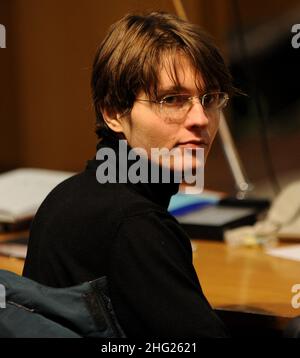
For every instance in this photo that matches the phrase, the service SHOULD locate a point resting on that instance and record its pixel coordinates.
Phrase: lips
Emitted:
(192, 144)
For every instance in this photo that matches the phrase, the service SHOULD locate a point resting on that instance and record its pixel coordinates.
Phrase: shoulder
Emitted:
(154, 233)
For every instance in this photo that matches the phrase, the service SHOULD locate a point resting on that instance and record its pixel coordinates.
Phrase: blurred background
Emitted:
(46, 114)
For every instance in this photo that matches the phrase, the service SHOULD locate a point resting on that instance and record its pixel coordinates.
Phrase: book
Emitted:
(23, 190)
(211, 221)
(208, 215)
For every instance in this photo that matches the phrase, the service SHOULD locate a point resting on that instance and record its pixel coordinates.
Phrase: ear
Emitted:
(113, 121)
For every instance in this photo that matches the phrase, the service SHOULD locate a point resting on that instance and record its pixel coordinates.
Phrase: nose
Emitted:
(196, 116)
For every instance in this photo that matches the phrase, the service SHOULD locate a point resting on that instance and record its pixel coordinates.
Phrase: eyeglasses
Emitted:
(176, 106)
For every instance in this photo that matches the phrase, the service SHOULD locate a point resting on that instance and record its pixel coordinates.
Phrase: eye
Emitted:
(175, 100)
(210, 99)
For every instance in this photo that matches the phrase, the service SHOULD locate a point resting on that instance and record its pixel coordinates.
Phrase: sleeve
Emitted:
(153, 285)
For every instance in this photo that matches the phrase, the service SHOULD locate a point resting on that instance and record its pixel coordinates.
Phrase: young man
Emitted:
(157, 82)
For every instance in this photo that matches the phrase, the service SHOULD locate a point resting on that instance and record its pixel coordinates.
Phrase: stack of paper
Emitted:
(23, 190)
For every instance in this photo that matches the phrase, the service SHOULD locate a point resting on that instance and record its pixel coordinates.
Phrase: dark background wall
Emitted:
(46, 116)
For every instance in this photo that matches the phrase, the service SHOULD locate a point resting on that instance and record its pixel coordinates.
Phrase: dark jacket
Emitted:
(36, 311)
(85, 230)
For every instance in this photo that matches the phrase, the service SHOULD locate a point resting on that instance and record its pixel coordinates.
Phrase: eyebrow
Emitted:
(172, 89)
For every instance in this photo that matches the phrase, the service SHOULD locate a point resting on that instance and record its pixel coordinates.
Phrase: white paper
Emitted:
(13, 250)
(23, 190)
(286, 252)
(215, 215)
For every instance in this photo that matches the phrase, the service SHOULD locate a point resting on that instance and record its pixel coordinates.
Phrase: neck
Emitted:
(131, 168)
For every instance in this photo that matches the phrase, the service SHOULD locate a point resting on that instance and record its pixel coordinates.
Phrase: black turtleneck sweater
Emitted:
(84, 230)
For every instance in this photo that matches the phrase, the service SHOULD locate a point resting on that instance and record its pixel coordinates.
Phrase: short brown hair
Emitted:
(129, 58)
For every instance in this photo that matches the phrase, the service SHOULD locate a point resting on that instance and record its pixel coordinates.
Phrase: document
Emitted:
(23, 190)
(291, 252)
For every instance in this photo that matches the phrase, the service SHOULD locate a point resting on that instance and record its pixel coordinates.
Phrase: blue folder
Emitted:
(181, 203)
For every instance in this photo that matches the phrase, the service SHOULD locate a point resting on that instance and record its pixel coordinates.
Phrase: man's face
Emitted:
(146, 128)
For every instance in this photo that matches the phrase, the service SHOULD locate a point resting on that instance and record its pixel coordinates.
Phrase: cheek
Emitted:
(158, 135)
(212, 130)
(147, 130)
(214, 126)
(167, 136)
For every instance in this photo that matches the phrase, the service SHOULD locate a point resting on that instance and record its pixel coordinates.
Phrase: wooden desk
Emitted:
(247, 281)
(11, 263)
(243, 284)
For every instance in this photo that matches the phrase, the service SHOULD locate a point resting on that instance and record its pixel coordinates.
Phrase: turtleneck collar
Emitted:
(159, 192)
